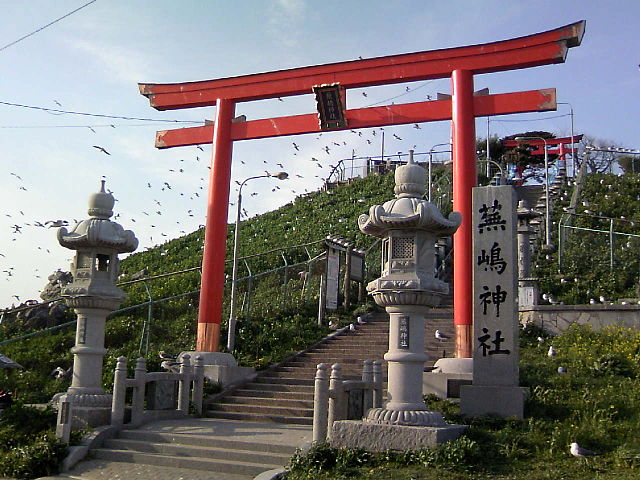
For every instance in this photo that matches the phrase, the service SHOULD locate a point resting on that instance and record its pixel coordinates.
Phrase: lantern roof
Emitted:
(98, 231)
(408, 210)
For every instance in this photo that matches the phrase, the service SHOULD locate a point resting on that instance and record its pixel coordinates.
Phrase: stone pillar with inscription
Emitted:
(93, 295)
(409, 227)
(527, 285)
(495, 388)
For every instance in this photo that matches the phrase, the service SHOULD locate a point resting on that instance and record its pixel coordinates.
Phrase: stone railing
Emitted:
(338, 399)
(556, 318)
(190, 382)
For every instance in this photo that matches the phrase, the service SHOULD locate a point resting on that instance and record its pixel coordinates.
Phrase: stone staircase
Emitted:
(284, 393)
(194, 449)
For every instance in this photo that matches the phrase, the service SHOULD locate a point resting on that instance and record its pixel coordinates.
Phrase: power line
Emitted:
(98, 115)
(531, 119)
(109, 125)
(47, 25)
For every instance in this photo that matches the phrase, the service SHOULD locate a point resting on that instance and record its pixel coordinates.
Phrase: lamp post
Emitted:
(431, 152)
(573, 152)
(231, 334)
(547, 213)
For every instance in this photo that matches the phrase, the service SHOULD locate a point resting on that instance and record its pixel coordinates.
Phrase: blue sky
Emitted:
(92, 61)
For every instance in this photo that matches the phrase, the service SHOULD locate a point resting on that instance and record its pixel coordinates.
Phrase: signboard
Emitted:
(403, 332)
(330, 106)
(333, 276)
(495, 289)
(357, 267)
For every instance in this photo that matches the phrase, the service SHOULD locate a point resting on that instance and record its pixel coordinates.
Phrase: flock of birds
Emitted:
(175, 205)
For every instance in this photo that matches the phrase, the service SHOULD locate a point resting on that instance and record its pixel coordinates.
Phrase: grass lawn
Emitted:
(596, 403)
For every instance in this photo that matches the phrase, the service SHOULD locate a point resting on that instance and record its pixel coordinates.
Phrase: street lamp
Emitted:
(547, 216)
(231, 334)
(431, 152)
(573, 151)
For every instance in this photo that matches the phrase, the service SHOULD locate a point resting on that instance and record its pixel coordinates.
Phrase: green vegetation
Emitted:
(590, 267)
(597, 404)
(28, 447)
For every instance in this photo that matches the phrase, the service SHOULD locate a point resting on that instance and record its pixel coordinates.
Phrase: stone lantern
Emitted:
(409, 227)
(93, 295)
(527, 285)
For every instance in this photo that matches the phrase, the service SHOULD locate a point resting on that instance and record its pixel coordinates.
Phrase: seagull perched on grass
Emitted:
(580, 452)
(552, 352)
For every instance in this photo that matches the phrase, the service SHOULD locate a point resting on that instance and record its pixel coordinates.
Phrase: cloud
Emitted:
(284, 18)
(120, 64)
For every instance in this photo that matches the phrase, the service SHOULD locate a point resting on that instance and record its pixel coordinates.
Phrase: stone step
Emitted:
(204, 441)
(346, 374)
(253, 417)
(248, 454)
(261, 409)
(278, 387)
(274, 394)
(283, 381)
(194, 463)
(269, 402)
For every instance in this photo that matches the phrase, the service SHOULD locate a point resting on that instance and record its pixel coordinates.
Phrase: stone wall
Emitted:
(556, 318)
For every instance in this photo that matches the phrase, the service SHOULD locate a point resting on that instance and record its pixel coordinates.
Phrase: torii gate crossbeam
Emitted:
(461, 64)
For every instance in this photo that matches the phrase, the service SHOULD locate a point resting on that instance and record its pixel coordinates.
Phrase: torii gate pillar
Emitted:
(465, 178)
(210, 310)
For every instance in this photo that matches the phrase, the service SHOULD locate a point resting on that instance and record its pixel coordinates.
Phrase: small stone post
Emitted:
(185, 382)
(63, 425)
(377, 379)
(137, 402)
(198, 384)
(337, 403)
(367, 376)
(93, 295)
(119, 392)
(320, 403)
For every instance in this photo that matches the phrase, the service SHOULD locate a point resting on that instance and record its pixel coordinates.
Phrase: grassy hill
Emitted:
(281, 320)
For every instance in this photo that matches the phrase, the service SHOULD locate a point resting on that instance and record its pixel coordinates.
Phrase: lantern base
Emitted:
(416, 418)
(381, 437)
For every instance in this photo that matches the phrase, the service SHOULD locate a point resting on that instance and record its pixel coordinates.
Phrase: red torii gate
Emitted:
(561, 151)
(461, 64)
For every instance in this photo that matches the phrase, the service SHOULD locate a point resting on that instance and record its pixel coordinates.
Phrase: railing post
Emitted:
(377, 380)
(65, 416)
(137, 403)
(367, 376)
(320, 403)
(336, 402)
(185, 382)
(198, 384)
(119, 392)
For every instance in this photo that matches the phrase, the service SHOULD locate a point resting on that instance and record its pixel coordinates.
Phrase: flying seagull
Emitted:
(102, 149)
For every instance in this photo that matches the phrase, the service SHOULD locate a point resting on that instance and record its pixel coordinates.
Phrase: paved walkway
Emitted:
(264, 433)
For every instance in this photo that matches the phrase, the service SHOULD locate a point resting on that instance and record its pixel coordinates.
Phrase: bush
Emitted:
(28, 446)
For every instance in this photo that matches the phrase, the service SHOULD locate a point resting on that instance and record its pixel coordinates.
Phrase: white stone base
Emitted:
(83, 418)
(477, 400)
(379, 437)
(445, 385)
(448, 375)
(220, 367)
